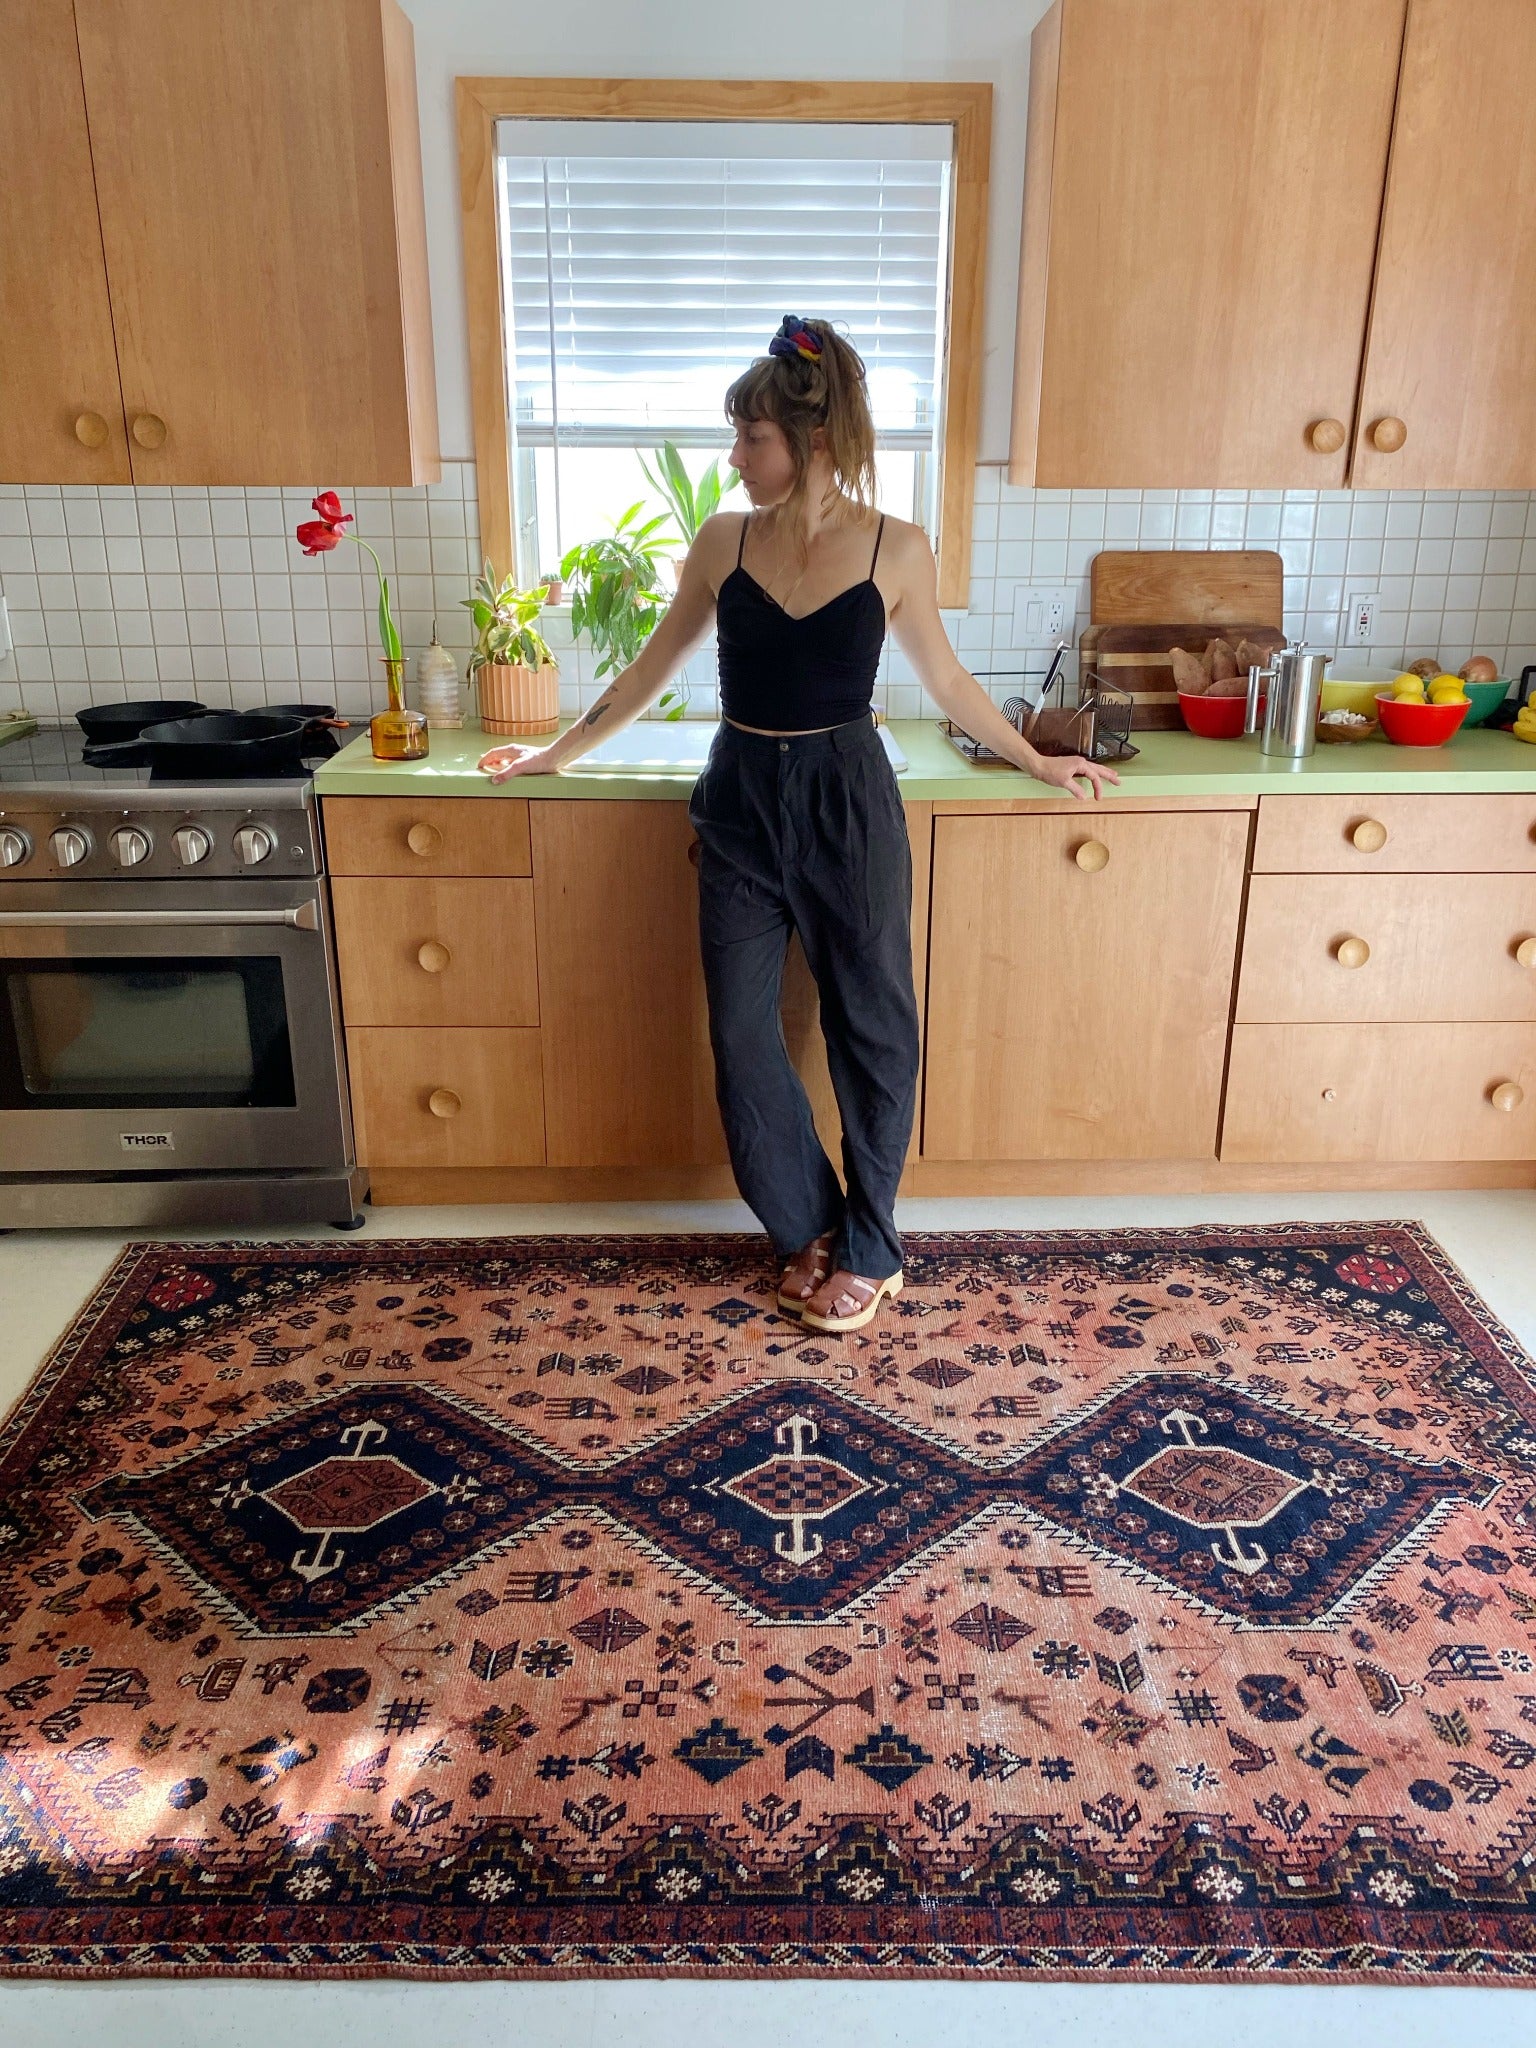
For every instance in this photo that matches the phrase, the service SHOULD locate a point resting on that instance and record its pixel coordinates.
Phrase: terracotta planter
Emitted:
(516, 699)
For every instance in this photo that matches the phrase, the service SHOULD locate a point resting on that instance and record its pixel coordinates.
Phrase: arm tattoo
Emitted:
(603, 704)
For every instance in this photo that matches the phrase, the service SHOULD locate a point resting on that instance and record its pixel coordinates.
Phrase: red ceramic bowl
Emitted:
(1418, 725)
(1215, 718)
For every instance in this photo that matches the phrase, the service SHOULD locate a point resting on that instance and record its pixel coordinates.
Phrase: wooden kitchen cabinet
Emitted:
(433, 1098)
(1448, 394)
(421, 951)
(61, 414)
(1337, 1094)
(1388, 948)
(1202, 194)
(1080, 981)
(256, 176)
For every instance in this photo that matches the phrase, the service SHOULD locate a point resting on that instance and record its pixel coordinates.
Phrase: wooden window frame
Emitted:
(965, 108)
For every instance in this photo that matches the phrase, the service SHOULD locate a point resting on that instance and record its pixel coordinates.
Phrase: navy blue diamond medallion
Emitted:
(792, 1501)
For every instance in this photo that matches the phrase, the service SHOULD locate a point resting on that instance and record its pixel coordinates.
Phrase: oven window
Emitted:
(128, 1034)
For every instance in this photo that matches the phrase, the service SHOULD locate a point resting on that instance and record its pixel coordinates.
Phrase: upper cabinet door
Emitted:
(259, 181)
(1201, 205)
(61, 416)
(1448, 400)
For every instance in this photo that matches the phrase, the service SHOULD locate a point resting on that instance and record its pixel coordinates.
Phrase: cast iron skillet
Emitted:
(218, 743)
(103, 723)
(322, 726)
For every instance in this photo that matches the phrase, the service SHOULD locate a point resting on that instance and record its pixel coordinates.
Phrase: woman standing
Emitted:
(798, 812)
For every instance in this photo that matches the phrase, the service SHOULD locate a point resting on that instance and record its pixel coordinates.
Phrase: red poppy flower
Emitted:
(316, 537)
(328, 505)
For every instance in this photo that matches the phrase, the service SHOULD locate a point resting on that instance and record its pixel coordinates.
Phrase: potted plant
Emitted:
(616, 590)
(517, 676)
(690, 504)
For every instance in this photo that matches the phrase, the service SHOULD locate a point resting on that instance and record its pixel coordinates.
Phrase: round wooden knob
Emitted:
(1369, 836)
(424, 839)
(1326, 436)
(1330, 1094)
(1351, 952)
(1507, 1096)
(1092, 856)
(433, 956)
(1388, 435)
(148, 430)
(444, 1103)
(694, 850)
(90, 430)
(1525, 952)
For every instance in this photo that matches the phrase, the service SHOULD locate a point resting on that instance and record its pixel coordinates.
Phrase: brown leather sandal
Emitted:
(871, 1292)
(808, 1264)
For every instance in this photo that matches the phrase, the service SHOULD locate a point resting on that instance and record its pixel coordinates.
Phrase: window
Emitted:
(630, 247)
(644, 264)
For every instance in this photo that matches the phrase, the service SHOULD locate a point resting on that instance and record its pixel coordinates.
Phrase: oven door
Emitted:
(148, 1029)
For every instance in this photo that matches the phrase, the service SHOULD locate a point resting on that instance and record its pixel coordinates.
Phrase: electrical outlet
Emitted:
(1360, 622)
(1041, 617)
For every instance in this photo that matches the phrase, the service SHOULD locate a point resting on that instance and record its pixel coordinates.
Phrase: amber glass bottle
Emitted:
(398, 733)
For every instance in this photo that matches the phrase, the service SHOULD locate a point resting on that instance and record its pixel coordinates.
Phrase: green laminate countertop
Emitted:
(1170, 764)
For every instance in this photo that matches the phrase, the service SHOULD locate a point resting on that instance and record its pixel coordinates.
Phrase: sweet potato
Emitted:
(1189, 672)
(1223, 662)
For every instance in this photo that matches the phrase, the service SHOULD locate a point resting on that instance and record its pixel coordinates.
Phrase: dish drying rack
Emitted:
(1095, 709)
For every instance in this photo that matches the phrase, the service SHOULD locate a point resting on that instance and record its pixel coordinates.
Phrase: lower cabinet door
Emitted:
(447, 1098)
(1341, 1092)
(1079, 984)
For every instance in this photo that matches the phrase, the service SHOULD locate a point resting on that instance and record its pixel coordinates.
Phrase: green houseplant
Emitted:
(616, 589)
(516, 674)
(690, 504)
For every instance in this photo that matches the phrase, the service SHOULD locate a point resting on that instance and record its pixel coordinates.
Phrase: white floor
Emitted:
(45, 1278)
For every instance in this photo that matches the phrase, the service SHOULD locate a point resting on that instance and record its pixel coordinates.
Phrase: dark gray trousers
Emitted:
(807, 833)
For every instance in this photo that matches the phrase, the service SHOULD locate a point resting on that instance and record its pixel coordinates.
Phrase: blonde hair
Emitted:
(799, 395)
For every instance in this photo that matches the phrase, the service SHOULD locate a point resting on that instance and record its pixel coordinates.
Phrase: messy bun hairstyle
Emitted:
(812, 378)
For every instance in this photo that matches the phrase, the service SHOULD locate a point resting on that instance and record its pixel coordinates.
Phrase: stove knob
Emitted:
(253, 845)
(192, 844)
(130, 845)
(15, 846)
(71, 844)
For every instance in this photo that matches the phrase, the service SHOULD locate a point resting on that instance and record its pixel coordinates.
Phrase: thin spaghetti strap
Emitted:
(743, 541)
(879, 530)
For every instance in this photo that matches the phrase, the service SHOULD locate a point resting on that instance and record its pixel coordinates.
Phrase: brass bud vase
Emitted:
(398, 733)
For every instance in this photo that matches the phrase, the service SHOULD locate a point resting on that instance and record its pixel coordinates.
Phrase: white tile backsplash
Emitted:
(120, 592)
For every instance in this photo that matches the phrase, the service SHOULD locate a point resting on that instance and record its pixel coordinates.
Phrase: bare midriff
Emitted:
(770, 733)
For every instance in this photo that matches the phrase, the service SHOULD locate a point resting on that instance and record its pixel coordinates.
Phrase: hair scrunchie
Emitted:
(796, 340)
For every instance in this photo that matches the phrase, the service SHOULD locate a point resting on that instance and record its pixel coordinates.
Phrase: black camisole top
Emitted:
(793, 675)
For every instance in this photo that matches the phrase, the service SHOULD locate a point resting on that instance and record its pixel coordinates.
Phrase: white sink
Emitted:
(657, 746)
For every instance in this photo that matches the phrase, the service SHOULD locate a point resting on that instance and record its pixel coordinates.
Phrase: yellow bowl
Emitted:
(1350, 697)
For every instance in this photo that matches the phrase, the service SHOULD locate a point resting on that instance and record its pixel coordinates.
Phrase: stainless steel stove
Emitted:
(170, 1051)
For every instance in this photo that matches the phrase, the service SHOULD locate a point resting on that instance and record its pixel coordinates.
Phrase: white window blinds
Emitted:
(646, 263)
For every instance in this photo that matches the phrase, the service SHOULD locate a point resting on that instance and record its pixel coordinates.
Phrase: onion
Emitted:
(1426, 666)
(1479, 670)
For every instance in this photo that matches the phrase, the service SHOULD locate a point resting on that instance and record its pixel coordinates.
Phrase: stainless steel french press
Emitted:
(1295, 680)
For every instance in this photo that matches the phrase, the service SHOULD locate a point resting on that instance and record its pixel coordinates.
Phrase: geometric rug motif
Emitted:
(1119, 1603)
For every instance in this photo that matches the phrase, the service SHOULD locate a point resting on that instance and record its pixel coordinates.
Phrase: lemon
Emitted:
(1405, 693)
(1445, 681)
(1438, 695)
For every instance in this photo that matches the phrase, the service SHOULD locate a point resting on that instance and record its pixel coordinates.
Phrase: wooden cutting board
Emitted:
(1217, 586)
(1136, 658)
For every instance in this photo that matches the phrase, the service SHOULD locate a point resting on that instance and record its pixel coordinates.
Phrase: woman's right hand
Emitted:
(517, 758)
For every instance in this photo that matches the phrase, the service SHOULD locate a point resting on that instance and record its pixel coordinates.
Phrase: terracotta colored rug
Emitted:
(1119, 1604)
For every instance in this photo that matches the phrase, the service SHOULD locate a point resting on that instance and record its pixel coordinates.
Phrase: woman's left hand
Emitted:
(1065, 771)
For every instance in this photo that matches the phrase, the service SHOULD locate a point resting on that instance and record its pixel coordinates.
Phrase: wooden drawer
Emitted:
(1307, 834)
(436, 952)
(1439, 947)
(433, 835)
(1298, 1092)
(447, 1098)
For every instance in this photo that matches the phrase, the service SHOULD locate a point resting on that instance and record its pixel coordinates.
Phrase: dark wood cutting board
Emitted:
(1136, 658)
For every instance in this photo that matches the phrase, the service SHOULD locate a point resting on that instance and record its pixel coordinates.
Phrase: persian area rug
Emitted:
(1118, 1604)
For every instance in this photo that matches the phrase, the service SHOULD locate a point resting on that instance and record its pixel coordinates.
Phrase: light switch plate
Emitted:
(1043, 614)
